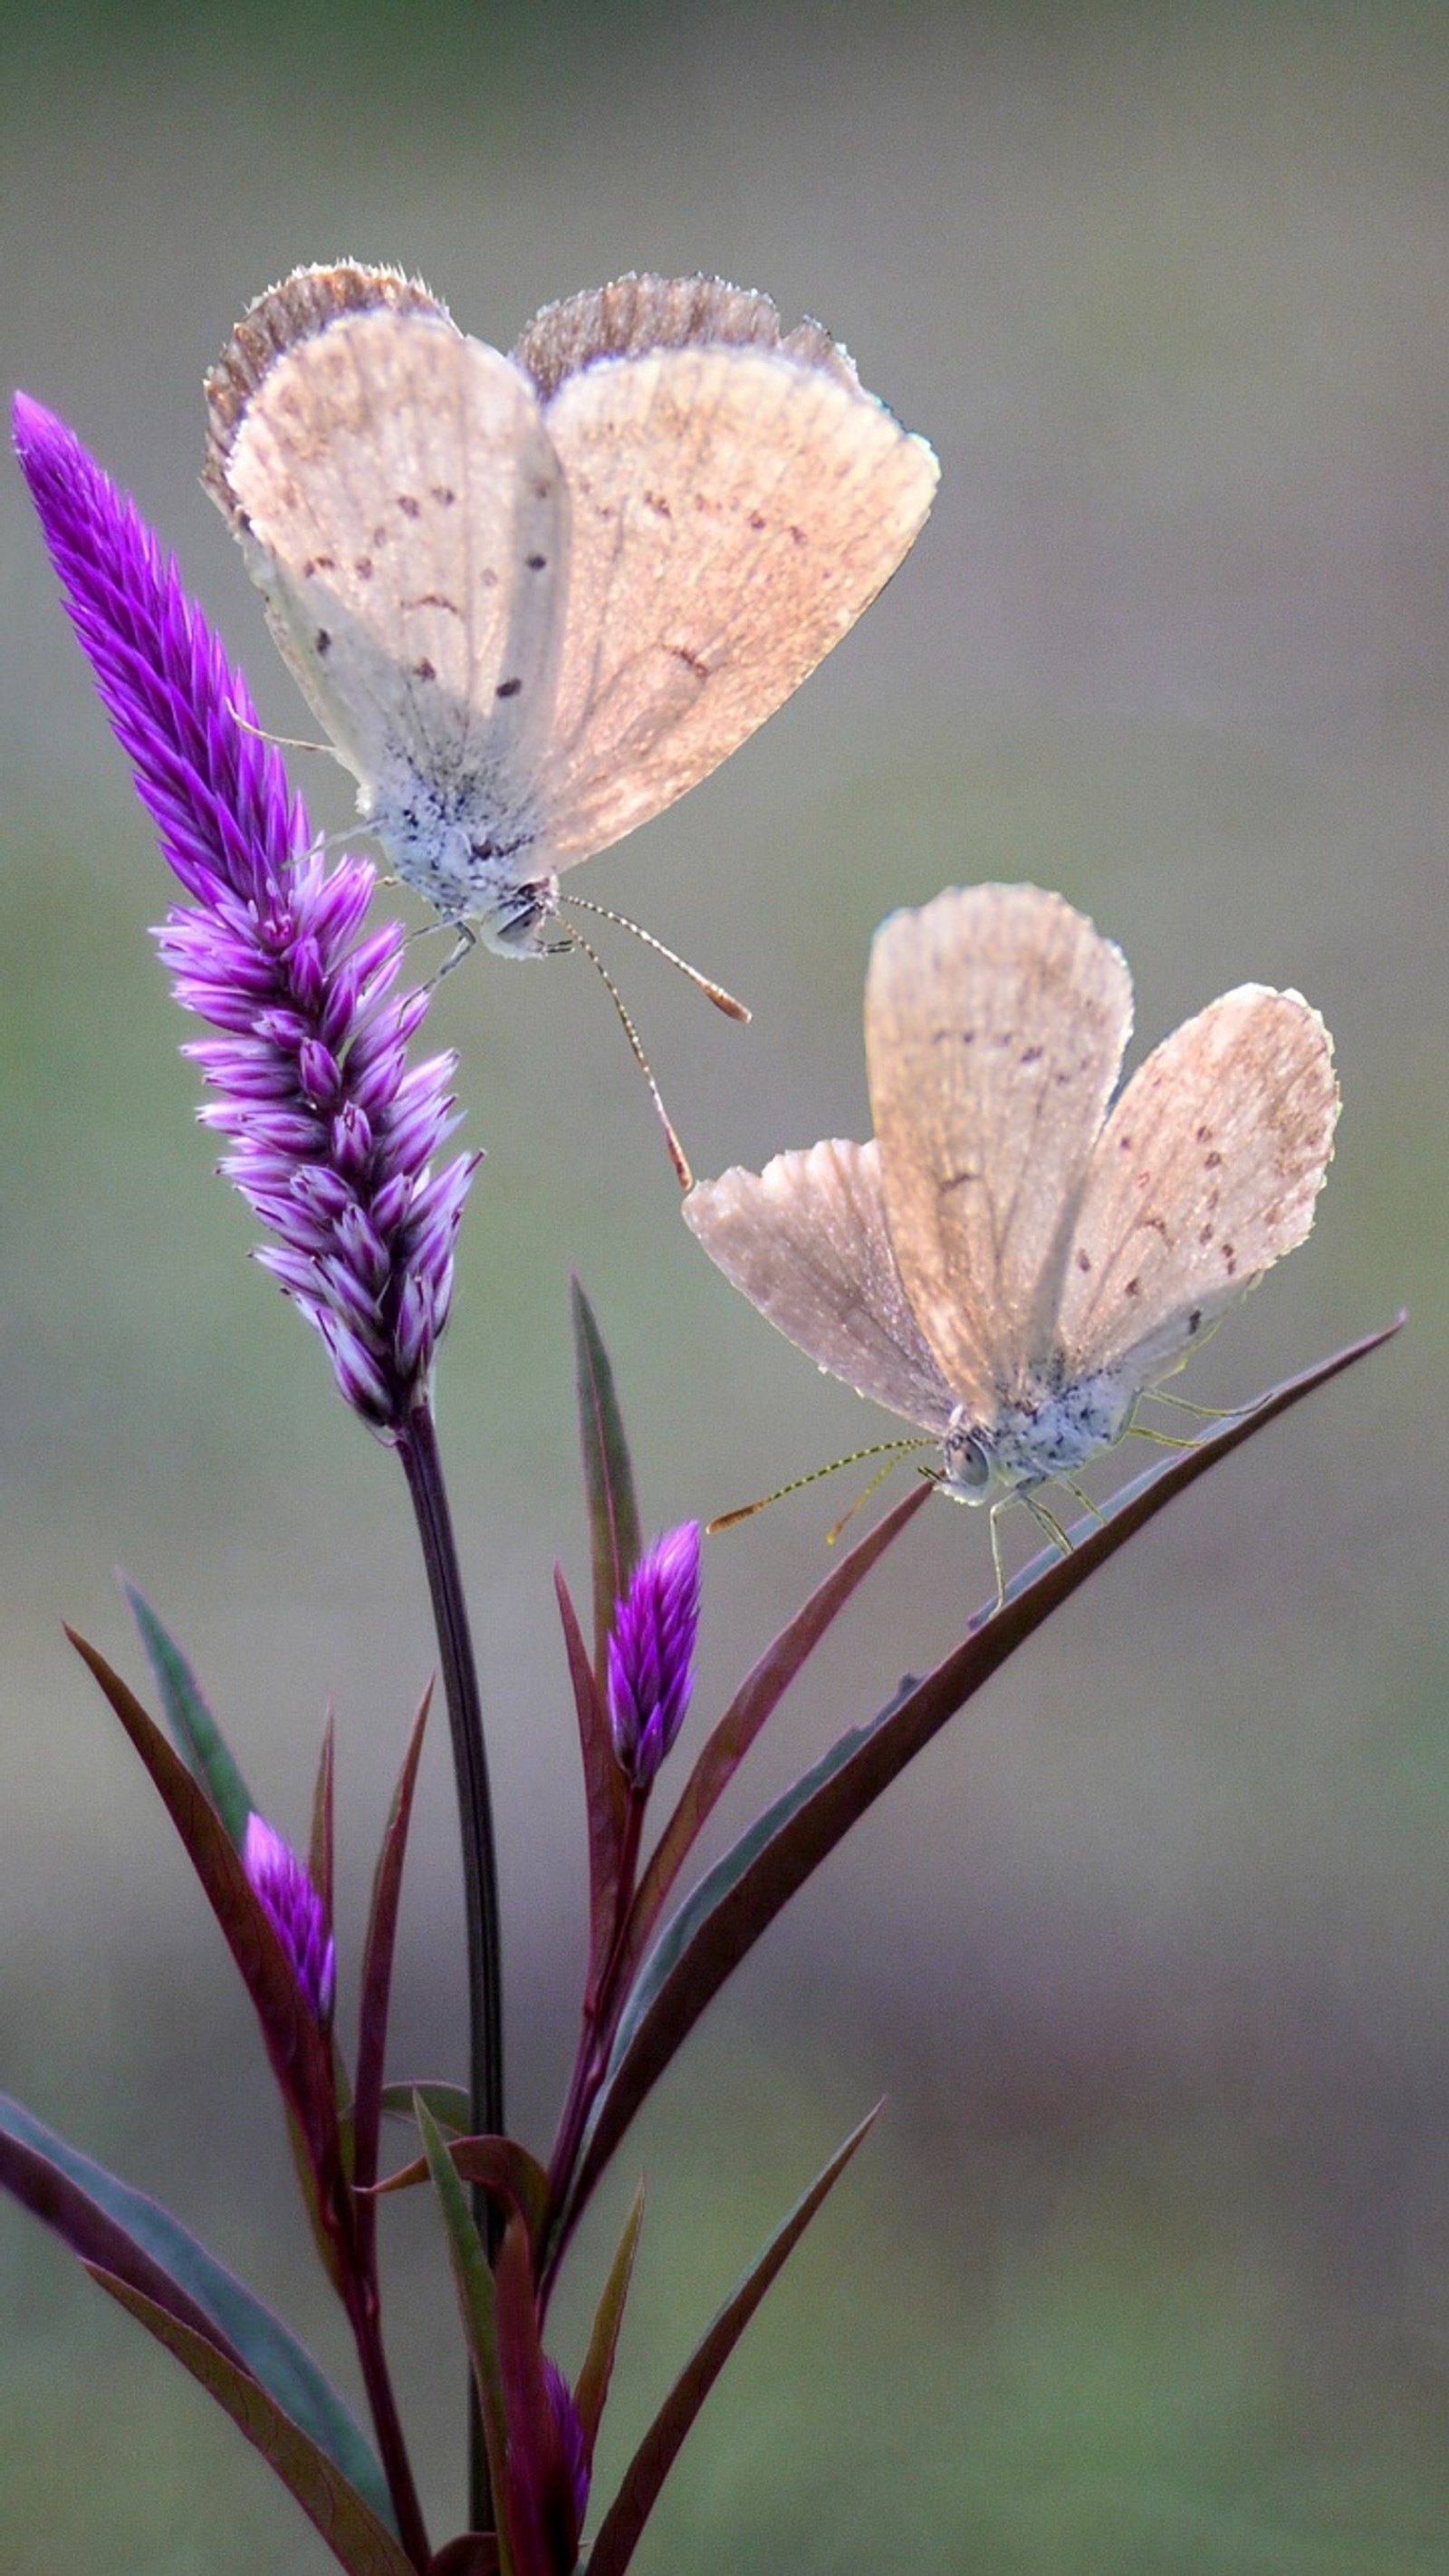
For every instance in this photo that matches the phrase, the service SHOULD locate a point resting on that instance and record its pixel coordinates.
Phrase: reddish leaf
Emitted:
(598, 2369)
(356, 2537)
(620, 2529)
(604, 1799)
(723, 1917)
(377, 1958)
(608, 1479)
(753, 1704)
(501, 2165)
(300, 2054)
(542, 2517)
(319, 1859)
(473, 2553)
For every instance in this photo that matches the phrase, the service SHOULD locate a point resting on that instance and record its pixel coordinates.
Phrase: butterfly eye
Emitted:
(968, 1463)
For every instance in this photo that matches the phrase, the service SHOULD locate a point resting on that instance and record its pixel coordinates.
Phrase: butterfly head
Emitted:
(973, 1472)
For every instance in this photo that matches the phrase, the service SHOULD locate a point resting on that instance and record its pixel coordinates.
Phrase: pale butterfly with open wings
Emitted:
(1010, 1264)
(535, 598)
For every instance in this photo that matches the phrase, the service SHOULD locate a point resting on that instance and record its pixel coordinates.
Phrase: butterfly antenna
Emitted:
(278, 741)
(891, 1450)
(677, 1155)
(705, 984)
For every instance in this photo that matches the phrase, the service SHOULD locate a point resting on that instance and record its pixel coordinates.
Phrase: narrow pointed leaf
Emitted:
(197, 1736)
(542, 2519)
(473, 2282)
(357, 2538)
(118, 2230)
(377, 1958)
(604, 1800)
(593, 2381)
(620, 2529)
(723, 1917)
(608, 1479)
(501, 2165)
(319, 1857)
(755, 1701)
(448, 2103)
(301, 2056)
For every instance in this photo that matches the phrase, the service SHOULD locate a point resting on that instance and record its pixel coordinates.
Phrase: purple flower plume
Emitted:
(295, 1909)
(571, 2438)
(650, 1654)
(332, 1132)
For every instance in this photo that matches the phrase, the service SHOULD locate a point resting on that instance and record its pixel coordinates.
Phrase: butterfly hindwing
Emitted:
(1205, 1173)
(806, 1241)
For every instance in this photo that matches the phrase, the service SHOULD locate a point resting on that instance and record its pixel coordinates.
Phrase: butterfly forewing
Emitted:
(401, 508)
(733, 510)
(995, 1023)
(806, 1241)
(1206, 1172)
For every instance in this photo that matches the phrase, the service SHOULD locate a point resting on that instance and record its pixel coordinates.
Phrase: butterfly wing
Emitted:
(806, 1240)
(1205, 1174)
(401, 510)
(736, 500)
(995, 1020)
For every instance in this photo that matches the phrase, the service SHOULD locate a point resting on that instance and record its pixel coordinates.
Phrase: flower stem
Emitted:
(422, 1465)
(362, 2310)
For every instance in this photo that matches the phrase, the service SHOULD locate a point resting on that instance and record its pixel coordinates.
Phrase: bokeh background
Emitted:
(1147, 2266)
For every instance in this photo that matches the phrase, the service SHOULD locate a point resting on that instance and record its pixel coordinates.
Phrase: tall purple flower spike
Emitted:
(651, 1654)
(280, 1880)
(332, 1132)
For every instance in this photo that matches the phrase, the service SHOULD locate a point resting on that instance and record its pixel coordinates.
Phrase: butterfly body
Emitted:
(535, 597)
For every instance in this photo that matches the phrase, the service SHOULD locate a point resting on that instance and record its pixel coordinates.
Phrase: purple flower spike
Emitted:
(332, 1132)
(571, 2438)
(650, 1654)
(295, 1910)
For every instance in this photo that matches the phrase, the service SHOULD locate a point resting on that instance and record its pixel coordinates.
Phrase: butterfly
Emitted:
(534, 598)
(1011, 1262)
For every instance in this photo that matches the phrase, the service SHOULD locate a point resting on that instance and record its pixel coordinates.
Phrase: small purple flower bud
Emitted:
(650, 1654)
(332, 1130)
(571, 2437)
(295, 1911)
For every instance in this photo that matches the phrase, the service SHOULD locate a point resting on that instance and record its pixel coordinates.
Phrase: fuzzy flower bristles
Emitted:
(332, 1131)
(651, 1650)
(295, 1910)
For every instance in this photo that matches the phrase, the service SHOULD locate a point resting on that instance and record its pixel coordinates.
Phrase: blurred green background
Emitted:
(1147, 2266)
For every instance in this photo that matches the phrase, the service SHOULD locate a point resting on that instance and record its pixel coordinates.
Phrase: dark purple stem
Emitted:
(366, 2322)
(417, 1446)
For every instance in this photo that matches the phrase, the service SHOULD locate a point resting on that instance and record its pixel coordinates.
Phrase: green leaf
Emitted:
(473, 2282)
(117, 2230)
(723, 1917)
(598, 2369)
(449, 2104)
(361, 2542)
(620, 2529)
(197, 1736)
(501, 2165)
(608, 1479)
